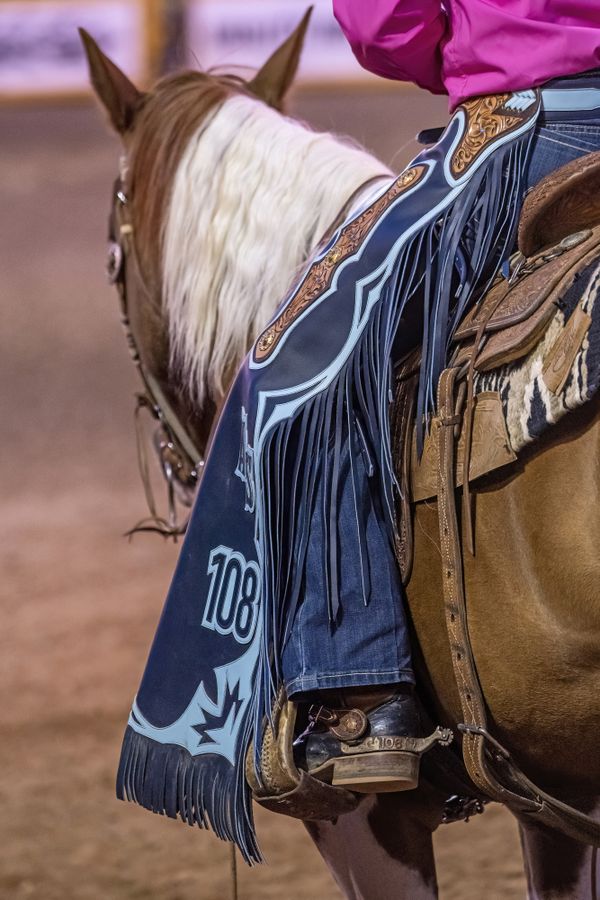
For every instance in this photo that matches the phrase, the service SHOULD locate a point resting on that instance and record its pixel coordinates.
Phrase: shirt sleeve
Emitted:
(397, 39)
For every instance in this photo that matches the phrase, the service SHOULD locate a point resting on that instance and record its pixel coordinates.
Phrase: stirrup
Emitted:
(282, 787)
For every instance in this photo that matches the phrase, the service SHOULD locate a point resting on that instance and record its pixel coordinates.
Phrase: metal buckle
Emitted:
(182, 477)
(519, 265)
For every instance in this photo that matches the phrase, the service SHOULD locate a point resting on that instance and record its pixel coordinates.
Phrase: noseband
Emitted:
(180, 461)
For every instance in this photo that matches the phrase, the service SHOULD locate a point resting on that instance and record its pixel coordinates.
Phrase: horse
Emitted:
(227, 199)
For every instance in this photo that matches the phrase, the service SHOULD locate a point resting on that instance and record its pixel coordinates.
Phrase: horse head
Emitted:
(219, 202)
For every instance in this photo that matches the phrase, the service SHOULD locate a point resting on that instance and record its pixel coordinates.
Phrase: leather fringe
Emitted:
(352, 417)
(169, 781)
(349, 419)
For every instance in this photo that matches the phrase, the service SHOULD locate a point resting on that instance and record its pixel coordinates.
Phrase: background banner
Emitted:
(231, 33)
(41, 54)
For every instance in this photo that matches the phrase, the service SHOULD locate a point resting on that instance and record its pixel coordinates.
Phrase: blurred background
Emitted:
(79, 601)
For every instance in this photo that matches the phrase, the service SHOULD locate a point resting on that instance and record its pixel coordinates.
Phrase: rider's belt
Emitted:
(576, 97)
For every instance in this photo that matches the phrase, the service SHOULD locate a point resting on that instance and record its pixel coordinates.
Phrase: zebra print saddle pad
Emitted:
(531, 372)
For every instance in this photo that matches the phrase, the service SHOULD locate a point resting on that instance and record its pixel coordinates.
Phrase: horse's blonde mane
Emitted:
(252, 196)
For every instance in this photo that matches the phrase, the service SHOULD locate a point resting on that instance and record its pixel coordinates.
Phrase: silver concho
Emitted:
(573, 240)
(114, 262)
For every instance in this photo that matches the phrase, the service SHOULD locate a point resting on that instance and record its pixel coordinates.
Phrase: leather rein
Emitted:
(181, 462)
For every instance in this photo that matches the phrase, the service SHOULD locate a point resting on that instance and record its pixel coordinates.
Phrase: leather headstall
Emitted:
(180, 461)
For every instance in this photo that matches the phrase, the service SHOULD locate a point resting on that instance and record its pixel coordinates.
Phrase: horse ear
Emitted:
(273, 81)
(115, 91)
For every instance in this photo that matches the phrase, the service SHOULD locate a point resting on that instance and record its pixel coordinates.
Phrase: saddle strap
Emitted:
(488, 764)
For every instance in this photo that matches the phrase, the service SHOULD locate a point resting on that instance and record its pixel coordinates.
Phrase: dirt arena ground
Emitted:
(79, 602)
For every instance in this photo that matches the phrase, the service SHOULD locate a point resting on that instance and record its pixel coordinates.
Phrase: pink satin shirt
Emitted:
(468, 47)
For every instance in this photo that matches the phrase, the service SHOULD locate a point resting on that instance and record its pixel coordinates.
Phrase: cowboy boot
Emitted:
(368, 740)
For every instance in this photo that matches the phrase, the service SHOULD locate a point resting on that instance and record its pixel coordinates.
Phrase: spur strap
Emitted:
(489, 765)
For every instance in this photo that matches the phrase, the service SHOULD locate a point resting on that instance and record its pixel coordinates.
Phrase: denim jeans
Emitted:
(369, 642)
(558, 143)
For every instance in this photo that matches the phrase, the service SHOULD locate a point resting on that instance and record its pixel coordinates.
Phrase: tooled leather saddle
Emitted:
(559, 237)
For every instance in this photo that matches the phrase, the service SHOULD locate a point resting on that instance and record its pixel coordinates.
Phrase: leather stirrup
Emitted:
(284, 788)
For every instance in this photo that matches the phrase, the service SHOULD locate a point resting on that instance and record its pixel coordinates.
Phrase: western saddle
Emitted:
(559, 236)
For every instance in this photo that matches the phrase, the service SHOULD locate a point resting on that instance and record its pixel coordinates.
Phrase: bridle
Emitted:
(181, 463)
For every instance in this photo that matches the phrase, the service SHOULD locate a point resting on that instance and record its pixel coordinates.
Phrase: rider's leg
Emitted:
(561, 138)
(367, 641)
(358, 658)
(364, 654)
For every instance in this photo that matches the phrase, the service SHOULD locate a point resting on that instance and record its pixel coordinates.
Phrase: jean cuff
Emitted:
(304, 683)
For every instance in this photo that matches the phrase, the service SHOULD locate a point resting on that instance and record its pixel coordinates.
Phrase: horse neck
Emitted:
(252, 197)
